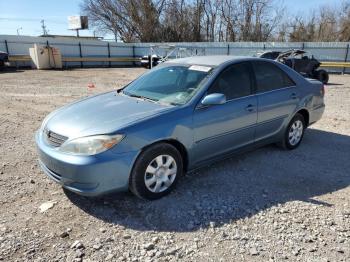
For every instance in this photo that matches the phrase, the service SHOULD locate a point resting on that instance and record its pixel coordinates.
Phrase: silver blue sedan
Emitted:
(181, 115)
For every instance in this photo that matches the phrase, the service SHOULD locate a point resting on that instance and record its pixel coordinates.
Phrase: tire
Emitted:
(322, 76)
(290, 141)
(156, 171)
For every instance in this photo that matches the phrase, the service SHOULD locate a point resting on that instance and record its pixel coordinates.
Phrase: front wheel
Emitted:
(156, 171)
(294, 132)
(322, 76)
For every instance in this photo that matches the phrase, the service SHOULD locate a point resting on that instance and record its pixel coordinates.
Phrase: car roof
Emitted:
(208, 60)
(292, 52)
(271, 51)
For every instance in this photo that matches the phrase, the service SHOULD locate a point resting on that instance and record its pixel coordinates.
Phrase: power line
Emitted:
(31, 20)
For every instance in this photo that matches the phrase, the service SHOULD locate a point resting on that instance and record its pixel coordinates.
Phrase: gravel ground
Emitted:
(265, 205)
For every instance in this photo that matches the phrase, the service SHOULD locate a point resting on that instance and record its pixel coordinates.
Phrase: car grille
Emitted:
(54, 139)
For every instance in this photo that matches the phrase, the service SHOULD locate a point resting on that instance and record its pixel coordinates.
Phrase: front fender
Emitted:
(171, 125)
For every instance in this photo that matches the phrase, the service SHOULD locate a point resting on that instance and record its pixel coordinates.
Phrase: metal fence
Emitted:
(323, 51)
(19, 45)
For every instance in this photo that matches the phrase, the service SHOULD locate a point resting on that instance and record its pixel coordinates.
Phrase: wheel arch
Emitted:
(305, 113)
(175, 143)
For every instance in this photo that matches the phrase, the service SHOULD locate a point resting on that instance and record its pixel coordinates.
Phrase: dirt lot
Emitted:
(266, 205)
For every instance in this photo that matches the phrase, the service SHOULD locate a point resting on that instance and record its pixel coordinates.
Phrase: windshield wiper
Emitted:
(139, 96)
(151, 99)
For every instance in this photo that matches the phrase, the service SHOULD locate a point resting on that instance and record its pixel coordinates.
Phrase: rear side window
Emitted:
(234, 82)
(270, 77)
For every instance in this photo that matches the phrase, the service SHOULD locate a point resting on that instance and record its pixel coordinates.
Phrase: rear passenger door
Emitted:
(222, 128)
(277, 98)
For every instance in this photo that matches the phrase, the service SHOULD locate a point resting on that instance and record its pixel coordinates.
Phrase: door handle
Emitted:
(293, 96)
(250, 108)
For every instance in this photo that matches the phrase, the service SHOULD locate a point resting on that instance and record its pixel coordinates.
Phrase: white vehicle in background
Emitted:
(146, 60)
(161, 53)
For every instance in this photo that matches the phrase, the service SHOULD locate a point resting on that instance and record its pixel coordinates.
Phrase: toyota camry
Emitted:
(179, 116)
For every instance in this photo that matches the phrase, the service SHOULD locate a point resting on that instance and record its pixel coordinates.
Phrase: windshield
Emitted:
(169, 84)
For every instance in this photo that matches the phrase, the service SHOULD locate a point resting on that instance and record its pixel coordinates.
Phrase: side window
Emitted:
(270, 77)
(235, 81)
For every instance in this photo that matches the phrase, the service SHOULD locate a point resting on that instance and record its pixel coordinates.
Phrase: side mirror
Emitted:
(214, 99)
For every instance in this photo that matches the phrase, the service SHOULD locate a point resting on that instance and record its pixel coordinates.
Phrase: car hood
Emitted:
(101, 114)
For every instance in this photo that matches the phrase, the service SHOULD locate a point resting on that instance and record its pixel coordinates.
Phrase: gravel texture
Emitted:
(264, 205)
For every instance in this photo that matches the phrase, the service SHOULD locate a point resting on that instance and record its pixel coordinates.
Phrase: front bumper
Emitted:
(86, 175)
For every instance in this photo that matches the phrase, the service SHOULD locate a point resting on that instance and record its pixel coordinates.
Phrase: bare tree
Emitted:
(216, 20)
(211, 18)
(229, 19)
(179, 22)
(344, 32)
(302, 31)
(129, 20)
(198, 11)
(256, 19)
(325, 23)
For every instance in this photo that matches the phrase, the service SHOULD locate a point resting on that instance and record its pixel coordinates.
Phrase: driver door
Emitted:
(219, 129)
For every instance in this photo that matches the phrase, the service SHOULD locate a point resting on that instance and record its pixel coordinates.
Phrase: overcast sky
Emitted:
(25, 15)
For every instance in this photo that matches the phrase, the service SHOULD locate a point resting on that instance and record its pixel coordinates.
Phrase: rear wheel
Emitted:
(322, 76)
(156, 171)
(294, 132)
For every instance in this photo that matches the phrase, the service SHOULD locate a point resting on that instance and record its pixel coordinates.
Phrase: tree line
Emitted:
(216, 20)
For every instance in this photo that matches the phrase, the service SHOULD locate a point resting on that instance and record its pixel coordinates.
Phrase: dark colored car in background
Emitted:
(270, 55)
(4, 59)
(300, 61)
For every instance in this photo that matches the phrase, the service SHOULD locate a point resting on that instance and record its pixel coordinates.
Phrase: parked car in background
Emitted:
(301, 61)
(269, 55)
(181, 115)
(4, 59)
(146, 61)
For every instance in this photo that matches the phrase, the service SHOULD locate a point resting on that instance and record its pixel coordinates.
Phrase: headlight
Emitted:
(90, 145)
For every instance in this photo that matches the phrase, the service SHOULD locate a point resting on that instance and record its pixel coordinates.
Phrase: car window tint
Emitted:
(169, 78)
(235, 81)
(287, 80)
(192, 76)
(168, 84)
(270, 77)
